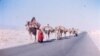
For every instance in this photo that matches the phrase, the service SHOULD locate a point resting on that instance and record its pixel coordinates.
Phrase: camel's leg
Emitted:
(35, 38)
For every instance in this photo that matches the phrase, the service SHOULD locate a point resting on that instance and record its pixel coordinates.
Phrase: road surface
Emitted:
(68, 46)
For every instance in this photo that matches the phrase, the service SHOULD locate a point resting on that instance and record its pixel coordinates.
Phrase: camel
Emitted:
(73, 31)
(47, 30)
(65, 31)
(59, 30)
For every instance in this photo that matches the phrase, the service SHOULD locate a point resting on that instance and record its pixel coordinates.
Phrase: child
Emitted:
(40, 36)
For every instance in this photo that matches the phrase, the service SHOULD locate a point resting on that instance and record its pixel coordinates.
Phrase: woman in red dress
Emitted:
(40, 36)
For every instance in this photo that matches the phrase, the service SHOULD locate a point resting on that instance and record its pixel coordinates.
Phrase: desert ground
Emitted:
(18, 43)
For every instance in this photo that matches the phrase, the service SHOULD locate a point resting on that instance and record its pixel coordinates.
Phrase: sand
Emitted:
(11, 38)
(95, 36)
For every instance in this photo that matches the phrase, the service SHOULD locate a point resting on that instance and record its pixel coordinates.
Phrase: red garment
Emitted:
(40, 36)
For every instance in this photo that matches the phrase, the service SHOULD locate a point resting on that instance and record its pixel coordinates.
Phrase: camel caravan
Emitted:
(59, 31)
(34, 28)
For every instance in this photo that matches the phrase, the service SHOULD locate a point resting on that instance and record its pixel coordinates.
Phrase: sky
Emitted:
(81, 14)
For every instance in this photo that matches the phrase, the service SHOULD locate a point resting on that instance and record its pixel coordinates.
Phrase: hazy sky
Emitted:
(82, 14)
